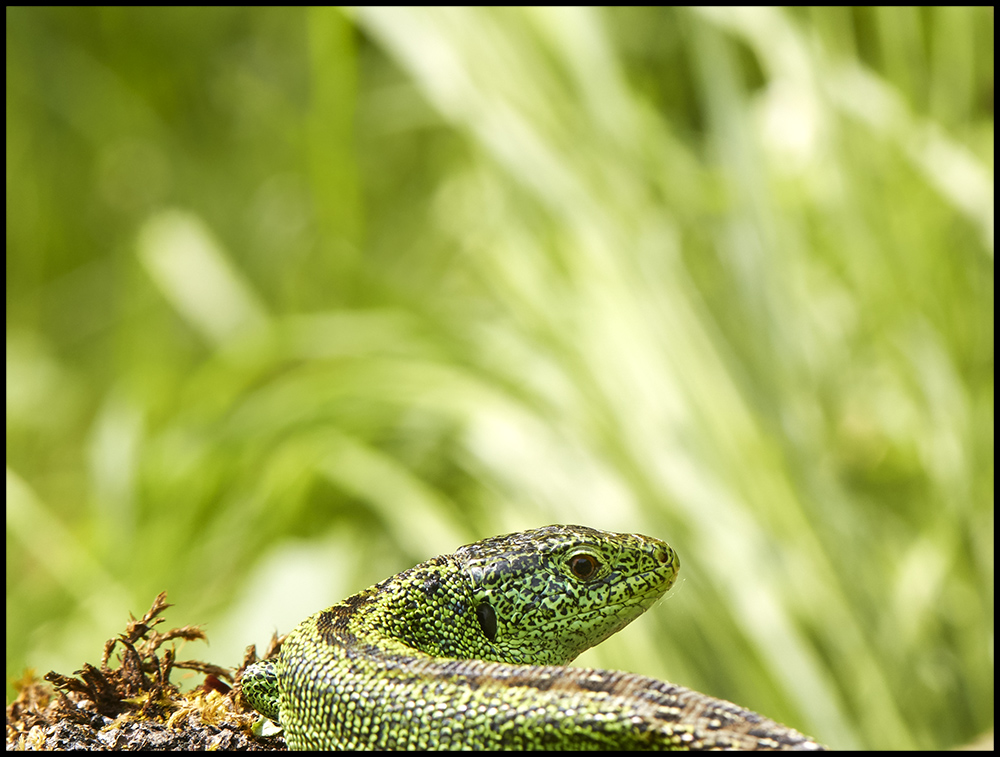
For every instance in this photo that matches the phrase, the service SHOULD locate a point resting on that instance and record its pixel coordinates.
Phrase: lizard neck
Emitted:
(428, 608)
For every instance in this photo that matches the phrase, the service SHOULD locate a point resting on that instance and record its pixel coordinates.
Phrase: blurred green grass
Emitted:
(299, 298)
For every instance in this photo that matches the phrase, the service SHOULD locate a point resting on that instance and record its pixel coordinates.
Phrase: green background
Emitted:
(297, 299)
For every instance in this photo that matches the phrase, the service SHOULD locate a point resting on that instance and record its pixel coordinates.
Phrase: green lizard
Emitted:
(466, 650)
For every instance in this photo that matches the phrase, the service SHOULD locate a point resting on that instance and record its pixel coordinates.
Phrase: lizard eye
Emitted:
(583, 566)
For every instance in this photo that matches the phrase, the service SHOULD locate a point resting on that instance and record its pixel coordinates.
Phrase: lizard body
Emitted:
(468, 651)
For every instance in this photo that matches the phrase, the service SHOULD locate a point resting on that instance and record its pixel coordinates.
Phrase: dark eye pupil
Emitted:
(583, 566)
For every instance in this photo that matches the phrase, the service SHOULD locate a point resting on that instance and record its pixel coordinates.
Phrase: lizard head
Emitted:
(536, 597)
(543, 596)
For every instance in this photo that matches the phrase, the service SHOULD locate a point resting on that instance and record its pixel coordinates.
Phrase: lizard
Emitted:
(469, 650)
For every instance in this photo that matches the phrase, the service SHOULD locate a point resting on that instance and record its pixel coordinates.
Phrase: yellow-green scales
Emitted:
(467, 651)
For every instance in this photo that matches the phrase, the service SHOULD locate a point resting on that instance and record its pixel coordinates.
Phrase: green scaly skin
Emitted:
(466, 651)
